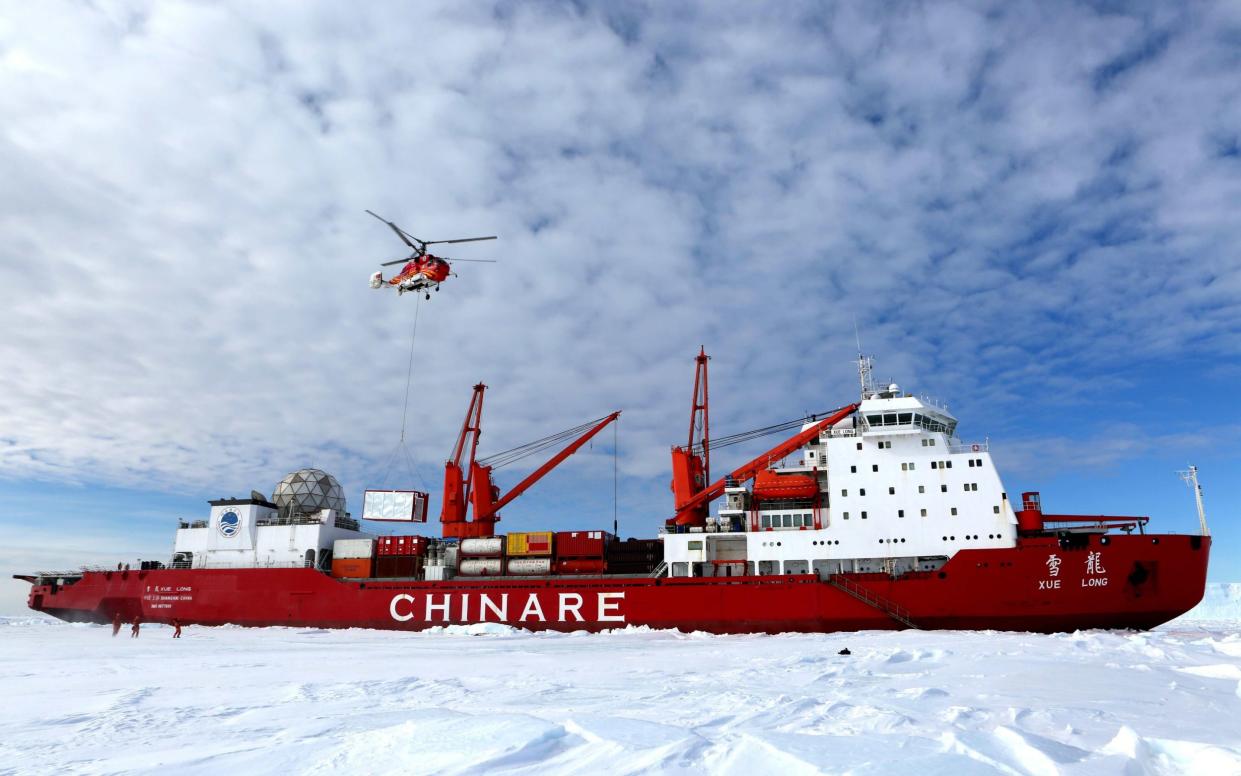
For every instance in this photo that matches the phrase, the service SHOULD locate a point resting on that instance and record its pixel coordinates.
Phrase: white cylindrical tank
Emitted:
(530, 566)
(490, 545)
(480, 567)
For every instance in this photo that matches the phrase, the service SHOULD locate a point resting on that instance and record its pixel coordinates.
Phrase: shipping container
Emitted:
(581, 566)
(346, 549)
(353, 568)
(490, 546)
(402, 545)
(582, 544)
(389, 566)
(480, 567)
(530, 543)
(528, 566)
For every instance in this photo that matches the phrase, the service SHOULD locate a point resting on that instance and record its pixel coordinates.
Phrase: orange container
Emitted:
(353, 568)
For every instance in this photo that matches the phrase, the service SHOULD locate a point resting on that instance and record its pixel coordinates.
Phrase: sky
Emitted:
(1027, 210)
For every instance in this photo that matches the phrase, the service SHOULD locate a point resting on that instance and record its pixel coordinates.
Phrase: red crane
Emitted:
(693, 510)
(477, 488)
(457, 481)
(691, 471)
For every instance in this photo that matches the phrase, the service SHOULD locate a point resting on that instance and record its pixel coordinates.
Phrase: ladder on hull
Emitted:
(872, 599)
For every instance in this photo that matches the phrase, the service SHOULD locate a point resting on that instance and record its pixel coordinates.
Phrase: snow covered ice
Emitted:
(491, 699)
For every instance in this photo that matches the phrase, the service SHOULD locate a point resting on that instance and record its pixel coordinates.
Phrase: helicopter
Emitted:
(422, 271)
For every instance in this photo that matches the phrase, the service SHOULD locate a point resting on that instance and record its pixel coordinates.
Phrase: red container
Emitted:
(390, 566)
(582, 544)
(581, 566)
(402, 545)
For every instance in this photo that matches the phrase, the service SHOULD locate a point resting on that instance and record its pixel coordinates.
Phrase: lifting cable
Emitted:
(746, 436)
(512, 455)
(402, 449)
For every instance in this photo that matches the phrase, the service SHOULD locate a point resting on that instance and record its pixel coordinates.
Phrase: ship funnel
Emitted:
(1030, 518)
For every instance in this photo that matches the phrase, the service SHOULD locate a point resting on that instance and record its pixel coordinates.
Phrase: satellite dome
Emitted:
(307, 491)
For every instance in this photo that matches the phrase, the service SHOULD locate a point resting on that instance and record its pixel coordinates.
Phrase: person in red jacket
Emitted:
(176, 625)
(133, 629)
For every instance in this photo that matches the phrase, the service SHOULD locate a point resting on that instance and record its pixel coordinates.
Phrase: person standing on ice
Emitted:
(176, 625)
(133, 629)
(116, 624)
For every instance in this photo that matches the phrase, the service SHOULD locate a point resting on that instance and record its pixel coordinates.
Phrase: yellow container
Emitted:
(530, 543)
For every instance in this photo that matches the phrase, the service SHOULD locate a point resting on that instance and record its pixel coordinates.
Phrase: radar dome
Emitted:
(307, 491)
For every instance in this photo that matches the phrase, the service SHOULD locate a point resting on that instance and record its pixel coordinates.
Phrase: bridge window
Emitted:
(954, 512)
(900, 513)
(891, 491)
(943, 488)
(922, 489)
(846, 515)
(863, 515)
(788, 521)
(766, 521)
(844, 493)
(996, 509)
(853, 470)
(874, 467)
(924, 513)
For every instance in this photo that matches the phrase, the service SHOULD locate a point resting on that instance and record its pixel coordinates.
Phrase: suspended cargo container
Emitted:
(490, 546)
(529, 566)
(582, 544)
(345, 549)
(351, 568)
(480, 567)
(581, 566)
(530, 543)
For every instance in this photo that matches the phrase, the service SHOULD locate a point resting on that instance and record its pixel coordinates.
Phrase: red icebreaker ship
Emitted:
(876, 516)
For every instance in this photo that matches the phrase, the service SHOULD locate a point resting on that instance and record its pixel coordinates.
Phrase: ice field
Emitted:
(494, 700)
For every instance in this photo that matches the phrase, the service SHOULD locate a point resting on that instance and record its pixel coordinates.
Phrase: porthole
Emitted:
(1105, 540)
(942, 575)
(1155, 541)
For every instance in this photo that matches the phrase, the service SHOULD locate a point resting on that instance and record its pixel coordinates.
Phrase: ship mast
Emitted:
(1190, 476)
(865, 369)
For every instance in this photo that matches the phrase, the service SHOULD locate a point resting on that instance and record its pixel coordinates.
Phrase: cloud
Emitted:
(1015, 203)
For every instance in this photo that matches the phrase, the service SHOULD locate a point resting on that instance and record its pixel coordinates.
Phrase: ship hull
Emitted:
(1135, 582)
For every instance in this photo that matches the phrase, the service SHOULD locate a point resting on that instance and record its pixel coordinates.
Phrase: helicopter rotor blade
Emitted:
(475, 261)
(390, 263)
(402, 234)
(461, 240)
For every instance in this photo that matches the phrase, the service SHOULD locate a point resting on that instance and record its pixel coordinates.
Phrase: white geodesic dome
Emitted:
(307, 491)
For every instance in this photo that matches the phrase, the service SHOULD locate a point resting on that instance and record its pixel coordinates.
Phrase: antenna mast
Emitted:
(1190, 476)
(865, 367)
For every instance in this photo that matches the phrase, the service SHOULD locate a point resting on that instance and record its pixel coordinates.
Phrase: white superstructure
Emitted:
(897, 490)
(298, 527)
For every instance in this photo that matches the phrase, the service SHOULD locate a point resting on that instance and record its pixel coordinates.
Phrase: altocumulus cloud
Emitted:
(997, 194)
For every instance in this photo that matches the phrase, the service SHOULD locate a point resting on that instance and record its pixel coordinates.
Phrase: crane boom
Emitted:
(486, 500)
(689, 512)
